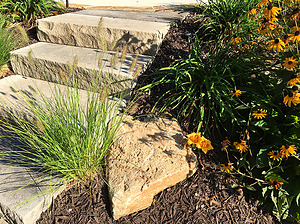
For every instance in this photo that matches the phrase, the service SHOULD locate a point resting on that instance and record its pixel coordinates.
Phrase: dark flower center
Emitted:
(290, 62)
(295, 88)
(252, 8)
(270, 6)
(234, 36)
(258, 112)
(265, 20)
(286, 37)
(286, 146)
(276, 41)
(291, 94)
(275, 153)
(297, 33)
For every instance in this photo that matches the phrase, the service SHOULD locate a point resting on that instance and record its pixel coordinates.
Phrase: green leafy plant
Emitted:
(29, 9)
(9, 40)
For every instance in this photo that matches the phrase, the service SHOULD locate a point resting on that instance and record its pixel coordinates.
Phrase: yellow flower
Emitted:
(264, 30)
(293, 81)
(252, 11)
(225, 143)
(205, 145)
(244, 47)
(235, 40)
(227, 168)
(295, 37)
(271, 11)
(259, 114)
(291, 98)
(275, 155)
(288, 150)
(275, 183)
(262, 2)
(235, 92)
(194, 139)
(290, 63)
(242, 146)
(276, 44)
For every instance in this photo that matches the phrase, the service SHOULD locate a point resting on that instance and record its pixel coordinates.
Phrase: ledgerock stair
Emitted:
(87, 42)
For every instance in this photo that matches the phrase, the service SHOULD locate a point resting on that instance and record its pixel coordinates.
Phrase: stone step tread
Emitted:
(140, 37)
(151, 16)
(52, 59)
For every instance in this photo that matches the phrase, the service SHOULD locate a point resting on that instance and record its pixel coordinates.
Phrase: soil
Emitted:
(206, 197)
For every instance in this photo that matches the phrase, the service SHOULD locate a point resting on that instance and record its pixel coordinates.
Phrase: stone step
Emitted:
(52, 62)
(150, 16)
(140, 37)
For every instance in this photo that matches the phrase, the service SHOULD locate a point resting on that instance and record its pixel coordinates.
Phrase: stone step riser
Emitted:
(60, 64)
(140, 37)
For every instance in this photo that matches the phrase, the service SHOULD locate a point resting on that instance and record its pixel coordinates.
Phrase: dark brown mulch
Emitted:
(206, 197)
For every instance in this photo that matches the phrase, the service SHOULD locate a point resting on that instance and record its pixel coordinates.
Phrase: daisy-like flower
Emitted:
(275, 183)
(225, 143)
(205, 145)
(263, 30)
(252, 11)
(292, 97)
(275, 155)
(295, 37)
(235, 40)
(294, 80)
(288, 150)
(290, 63)
(276, 44)
(195, 139)
(259, 114)
(271, 11)
(242, 146)
(262, 2)
(244, 47)
(235, 92)
(227, 168)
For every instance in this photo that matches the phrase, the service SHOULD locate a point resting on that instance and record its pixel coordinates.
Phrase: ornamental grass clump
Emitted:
(70, 132)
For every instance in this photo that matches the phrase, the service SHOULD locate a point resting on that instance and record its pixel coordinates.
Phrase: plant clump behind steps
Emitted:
(240, 82)
(28, 10)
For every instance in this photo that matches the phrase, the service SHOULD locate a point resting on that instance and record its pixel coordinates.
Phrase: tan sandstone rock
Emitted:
(146, 159)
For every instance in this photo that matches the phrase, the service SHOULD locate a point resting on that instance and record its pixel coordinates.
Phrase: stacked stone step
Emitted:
(79, 40)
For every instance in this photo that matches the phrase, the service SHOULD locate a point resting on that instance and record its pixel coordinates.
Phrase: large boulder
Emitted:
(147, 158)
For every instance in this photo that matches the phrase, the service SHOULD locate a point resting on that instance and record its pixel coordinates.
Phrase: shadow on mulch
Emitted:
(206, 197)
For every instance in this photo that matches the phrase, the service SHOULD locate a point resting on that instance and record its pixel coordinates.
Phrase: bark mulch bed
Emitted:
(206, 197)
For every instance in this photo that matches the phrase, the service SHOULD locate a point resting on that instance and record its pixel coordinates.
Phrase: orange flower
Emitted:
(295, 37)
(205, 145)
(276, 44)
(225, 143)
(271, 11)
(276, 184)
(194, 139)
(292, 98)
(235, 92)
(290, 63)
(242, 146)
(252, 11)
(227, 168)
(235, 40)
(262, 2)
(288, 150)
(275, 155)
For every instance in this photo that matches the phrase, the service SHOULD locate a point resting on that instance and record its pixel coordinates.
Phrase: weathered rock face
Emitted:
(146, 159)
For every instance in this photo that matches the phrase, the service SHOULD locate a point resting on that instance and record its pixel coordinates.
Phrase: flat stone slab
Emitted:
(146, 159)
(52, 62)
(16, 90)
(150, 16)
(23, 195)
(140, 37)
